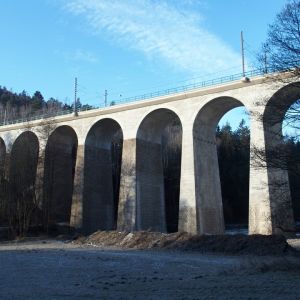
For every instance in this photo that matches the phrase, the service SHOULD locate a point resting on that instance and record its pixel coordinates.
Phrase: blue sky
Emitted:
(128, 47)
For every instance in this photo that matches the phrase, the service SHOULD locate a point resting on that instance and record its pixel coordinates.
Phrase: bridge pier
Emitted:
(281, 202)
(2, 158)
(259, 201)
(77, 198)
(151, 214)
(187, 203)
(39, 179)
(127, 194)
(270, 204)
(207, 178)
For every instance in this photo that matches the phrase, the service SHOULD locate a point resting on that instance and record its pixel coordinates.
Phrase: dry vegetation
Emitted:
(226, 244)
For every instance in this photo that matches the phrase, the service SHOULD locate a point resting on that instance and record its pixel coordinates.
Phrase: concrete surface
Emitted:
(200, 205)
(55, 270)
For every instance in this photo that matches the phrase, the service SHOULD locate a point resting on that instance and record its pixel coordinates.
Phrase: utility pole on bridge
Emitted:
(244, 78)
(75, 99)
(243, 53)
(105, 98)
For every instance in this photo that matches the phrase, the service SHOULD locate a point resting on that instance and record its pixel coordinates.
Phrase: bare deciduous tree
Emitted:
(21, 198)
(282, 53)
(283, 42)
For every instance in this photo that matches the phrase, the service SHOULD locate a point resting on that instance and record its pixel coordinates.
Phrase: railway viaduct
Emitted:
(68, 159)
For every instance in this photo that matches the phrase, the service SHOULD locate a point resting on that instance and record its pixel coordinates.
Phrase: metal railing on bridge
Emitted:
(148, 96)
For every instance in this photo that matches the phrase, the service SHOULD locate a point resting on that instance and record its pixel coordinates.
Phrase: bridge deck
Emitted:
(204, 85)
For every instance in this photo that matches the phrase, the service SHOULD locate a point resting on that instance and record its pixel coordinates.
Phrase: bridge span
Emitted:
(103, 169)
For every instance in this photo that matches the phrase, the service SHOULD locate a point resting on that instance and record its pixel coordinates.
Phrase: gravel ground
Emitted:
(57, 270)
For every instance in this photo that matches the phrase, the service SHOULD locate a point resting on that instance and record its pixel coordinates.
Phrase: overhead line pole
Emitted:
(243, 53)
(105, 98)
(75, 98)
(244, 78)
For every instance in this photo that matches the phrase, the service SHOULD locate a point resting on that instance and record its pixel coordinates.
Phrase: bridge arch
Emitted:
(2, 157)
(209, 206)
(282, 213)
(22, 174)
(277, 106)
(102, 167)
(59, 171)
(158, 162)
(3, 185)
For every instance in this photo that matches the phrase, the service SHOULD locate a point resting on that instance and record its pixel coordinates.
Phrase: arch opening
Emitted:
(23, 209)
(59, 171)
(291, 148)
(233, 148)
(2, 158)
(102, 168)
(281, 124)
(159, 139)
(3, 183)
(215, 176)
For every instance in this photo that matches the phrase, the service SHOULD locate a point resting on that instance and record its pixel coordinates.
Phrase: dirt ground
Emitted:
(238, 244)
(51, 269)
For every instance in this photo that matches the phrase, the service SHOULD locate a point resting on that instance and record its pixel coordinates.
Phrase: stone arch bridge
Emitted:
(103, 169)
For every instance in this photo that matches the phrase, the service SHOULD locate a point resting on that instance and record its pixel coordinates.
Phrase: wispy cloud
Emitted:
(82, 55)
(79, 55)
(172, 32)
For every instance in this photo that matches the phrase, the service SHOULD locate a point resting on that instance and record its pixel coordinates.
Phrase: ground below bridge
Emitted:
(50, 269)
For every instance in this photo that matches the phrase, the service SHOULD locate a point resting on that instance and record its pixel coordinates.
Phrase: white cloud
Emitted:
(79, 55)
(82, 55)
(161, 29)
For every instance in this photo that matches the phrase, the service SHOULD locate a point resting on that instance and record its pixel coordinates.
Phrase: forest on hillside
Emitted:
(14, 106)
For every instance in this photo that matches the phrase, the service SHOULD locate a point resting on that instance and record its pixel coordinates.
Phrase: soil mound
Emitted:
(229, 244)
